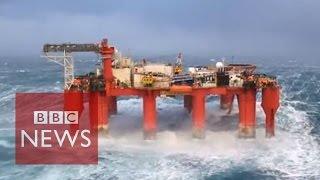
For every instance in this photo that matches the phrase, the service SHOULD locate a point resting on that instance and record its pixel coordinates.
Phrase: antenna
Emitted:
(179, 59)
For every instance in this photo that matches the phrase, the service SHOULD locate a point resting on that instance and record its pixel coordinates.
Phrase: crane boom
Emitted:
(70, 47)
(52, 51)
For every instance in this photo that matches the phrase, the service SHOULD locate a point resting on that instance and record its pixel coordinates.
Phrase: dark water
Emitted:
(293, 154)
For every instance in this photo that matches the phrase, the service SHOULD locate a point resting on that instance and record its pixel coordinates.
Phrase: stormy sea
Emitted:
(294, 153)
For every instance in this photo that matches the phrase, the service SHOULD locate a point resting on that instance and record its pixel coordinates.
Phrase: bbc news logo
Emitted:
(47, 134)
(55, 117)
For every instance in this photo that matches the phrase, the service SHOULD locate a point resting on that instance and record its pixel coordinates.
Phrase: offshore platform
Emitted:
(118, 75)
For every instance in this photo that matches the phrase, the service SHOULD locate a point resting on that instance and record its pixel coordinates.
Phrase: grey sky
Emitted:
(287, 28)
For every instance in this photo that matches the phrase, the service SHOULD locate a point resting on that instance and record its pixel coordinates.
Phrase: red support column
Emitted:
(187, 102)
(226, 101)
(270, 105)
(98, 109)
(198, 114)
(73, 101)
(103, 113)
(247, 113)
(107, 55)
(101, 101)
(149, 116)
(93, 110)
(113, 105)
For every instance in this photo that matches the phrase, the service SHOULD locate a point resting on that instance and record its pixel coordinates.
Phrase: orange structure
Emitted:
(226, 101)
(247, 112)
(198, 112)
(149, 115)
(270, 105)
(103, 102)
(73, 101)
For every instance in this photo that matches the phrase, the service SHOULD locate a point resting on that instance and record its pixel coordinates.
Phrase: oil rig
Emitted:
(118, 75)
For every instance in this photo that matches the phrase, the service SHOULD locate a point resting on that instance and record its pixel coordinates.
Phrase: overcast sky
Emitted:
(289, 28)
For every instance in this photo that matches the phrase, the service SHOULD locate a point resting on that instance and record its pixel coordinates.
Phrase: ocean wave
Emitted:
(293, 153)
(6, 144)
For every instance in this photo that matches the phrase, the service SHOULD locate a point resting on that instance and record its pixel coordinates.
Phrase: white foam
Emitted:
(293, 152)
